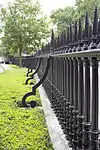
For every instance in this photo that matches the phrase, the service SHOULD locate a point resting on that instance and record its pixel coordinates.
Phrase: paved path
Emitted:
(4, 67)
(1, 68)
(55, 131)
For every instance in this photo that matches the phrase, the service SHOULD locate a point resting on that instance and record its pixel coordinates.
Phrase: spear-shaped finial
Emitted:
(55, 43)
(59, 40)
(80, 31)
(48, 46)
(58, 43)
(42, 46)
(98, 37)
(62, 39)
(95, 23)
(68, 38)
(90, 31)
(75, 32)
(79, 36)
(99, 27)
(83, 35)
(86, 26)
(70, 35)
(65, 40)
(52, 39)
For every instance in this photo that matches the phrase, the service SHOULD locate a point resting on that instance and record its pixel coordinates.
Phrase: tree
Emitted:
(23, 27)
(62, 18)
(83, 6)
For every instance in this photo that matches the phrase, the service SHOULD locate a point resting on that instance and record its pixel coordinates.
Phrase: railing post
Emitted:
(71, 107)
(68, 98)
(86, 124)
(80, 103)
(94, 122)
(75, 97)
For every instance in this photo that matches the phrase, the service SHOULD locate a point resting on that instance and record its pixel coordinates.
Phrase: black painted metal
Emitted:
(33, 103)
(31, 66)
(75, 99)
(86, 124)
(68, 81)
(94, 120)
(80, 102)
(71, 106)
(32, 75)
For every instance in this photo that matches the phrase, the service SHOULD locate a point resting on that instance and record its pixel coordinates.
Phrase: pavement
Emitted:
(56, 134)
(1, 68)
(4, 67)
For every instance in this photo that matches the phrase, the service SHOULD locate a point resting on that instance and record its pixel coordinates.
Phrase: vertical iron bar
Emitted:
(71, 107)
(68, 99)
(80, 102)
(86, 124)
(75, 97)
(94, 122)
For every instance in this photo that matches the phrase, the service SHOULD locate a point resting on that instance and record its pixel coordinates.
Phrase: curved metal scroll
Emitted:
(29, 71)
(32, 75)
(33, 103)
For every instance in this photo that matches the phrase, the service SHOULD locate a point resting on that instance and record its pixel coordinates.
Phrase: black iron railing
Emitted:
(71, 81)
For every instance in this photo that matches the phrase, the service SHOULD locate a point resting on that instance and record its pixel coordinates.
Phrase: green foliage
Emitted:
(24, 27)
(83, 6)
(62, 18)
(20, 128)
(1, 51)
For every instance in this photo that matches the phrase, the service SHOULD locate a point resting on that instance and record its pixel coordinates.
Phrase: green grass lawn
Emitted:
(20, 128)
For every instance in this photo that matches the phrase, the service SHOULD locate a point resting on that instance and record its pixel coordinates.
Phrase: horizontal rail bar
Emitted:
(87, 53)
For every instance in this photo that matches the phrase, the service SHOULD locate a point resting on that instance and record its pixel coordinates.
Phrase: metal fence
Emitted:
(68, 71)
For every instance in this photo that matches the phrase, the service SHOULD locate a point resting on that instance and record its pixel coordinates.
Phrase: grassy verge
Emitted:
(20, 129)
(14, 66)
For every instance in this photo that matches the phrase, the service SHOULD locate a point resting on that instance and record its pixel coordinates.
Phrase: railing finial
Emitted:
(99, 27)
(75, 32)
(70, 35)
(58, 41)
(55, 43)
(62, 40)
(95, 23)
(86, 26)
(65, 41)
(90, 31)
(80, 31)
(98, 37)
(52, 39)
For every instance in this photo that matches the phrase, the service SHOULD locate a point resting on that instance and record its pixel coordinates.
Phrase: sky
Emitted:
(48, 5)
